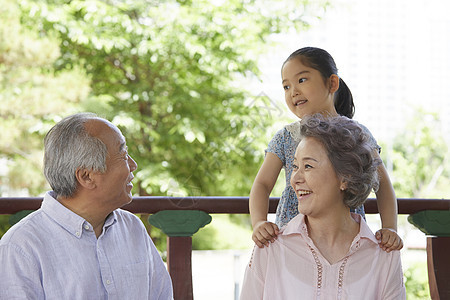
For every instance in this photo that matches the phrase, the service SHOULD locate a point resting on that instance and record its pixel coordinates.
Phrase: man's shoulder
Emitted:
(127, 218)
(125, 214)
(26, 229)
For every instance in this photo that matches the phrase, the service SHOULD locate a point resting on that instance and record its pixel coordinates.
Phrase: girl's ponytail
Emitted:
(343, 100)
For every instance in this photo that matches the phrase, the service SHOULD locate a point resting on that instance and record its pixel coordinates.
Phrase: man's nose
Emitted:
(132, 164)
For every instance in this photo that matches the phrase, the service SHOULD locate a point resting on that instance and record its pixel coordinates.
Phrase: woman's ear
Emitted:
(343, 185)
(85, 178)
(334, 83)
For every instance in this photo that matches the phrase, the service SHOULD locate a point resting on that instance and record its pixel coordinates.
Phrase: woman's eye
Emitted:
(301, 80)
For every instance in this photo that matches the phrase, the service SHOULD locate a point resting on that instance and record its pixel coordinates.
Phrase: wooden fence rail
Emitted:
(214, 205)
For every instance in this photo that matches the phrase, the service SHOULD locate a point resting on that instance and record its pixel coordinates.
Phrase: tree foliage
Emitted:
(31, 95)
(416, 282)
(421, 158)
(170, 74)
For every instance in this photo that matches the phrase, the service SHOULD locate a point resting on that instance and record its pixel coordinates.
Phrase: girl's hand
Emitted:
(389, 239)
(264, 232)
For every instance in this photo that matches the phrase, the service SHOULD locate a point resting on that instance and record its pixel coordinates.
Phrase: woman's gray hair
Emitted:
(68, 147)
(350, 151)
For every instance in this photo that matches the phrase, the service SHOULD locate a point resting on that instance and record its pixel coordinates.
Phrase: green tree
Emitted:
(31, 95)
(171, 74)
(168, 73)
(416, 282)
(420, 169)
(421, 158)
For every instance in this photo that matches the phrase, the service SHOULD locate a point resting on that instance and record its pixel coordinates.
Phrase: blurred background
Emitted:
(195, 87)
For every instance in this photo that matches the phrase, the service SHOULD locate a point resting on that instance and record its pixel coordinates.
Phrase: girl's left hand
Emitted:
(388, 239)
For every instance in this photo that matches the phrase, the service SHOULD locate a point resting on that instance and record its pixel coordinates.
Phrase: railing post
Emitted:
(436, 224)
(179, 226)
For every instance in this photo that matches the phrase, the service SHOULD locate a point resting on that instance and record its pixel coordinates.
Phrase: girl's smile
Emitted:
(300, 102)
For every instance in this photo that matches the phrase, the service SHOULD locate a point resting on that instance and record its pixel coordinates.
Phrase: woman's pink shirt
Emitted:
(293, 268)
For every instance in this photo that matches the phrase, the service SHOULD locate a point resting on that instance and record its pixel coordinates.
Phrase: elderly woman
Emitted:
(327, 252)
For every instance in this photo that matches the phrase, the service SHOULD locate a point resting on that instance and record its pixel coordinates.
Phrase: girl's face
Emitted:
(314, 180)
(306, 93)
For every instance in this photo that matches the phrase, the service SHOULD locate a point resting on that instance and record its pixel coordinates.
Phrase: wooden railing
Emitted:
(437, 247)
(217, 205)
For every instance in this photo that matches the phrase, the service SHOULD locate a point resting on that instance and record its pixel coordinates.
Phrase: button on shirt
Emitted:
(54, 254)
(293, 268)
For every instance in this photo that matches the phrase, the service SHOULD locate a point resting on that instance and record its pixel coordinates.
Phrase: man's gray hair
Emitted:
(68, 147)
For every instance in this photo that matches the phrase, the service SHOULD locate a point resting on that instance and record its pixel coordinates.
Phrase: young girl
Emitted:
(311, 85)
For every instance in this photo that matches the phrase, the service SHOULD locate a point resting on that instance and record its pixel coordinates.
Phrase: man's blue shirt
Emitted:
(54, 254)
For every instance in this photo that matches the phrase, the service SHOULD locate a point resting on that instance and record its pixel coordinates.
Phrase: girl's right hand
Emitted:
(264, 232)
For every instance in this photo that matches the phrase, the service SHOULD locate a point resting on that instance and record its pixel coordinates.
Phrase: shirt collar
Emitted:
(364, 230)
(67, 219)
(111, 219)
(298, 226)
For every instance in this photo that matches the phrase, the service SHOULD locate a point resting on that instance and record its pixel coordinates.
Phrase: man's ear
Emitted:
(334, 83)
(85, 178)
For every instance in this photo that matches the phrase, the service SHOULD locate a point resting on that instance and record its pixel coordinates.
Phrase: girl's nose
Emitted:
(294, 91)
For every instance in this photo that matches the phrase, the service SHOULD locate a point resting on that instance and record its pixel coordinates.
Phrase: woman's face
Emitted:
(305, 91)
(314, 180)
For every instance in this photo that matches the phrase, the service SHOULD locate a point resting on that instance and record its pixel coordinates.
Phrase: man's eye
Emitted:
(285, 87)
(307, 166)
(301, 80)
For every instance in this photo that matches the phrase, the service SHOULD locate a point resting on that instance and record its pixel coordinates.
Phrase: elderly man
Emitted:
(79, 244)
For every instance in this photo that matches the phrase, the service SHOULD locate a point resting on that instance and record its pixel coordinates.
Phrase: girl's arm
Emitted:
(386, 200)
(387, 207)
(264, 231)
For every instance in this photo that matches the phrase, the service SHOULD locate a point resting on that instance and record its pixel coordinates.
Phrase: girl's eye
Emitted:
(301, 80)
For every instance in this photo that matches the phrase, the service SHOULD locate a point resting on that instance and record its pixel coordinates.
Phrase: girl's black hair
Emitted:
(323, 62)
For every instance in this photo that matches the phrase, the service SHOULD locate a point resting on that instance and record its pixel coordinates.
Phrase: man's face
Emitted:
(114, 186)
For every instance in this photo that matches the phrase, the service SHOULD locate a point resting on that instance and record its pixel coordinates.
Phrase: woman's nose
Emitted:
(296, 177)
